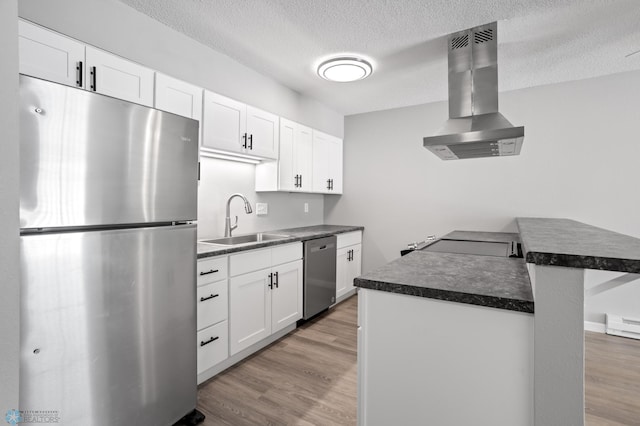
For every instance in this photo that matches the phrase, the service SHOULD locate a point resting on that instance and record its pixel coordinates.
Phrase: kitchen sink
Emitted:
(245, 239)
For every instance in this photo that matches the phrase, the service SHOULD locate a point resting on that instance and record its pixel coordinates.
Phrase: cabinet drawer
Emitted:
(349, 239)
(212, 306)
(213, 344)
(249, 261)
(210, 270)
(286, 253)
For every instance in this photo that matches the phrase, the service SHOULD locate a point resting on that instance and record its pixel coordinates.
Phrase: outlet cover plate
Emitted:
(262, 209)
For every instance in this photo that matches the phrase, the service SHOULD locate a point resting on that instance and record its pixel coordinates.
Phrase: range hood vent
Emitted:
(475, 128)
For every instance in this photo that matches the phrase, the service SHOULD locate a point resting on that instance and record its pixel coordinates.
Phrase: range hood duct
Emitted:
(475, 128)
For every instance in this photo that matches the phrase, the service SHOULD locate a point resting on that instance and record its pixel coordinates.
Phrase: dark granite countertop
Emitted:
(295, 234)
(497, 282)
(565, 242)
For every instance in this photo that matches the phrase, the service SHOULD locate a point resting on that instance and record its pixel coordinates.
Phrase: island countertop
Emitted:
(572, 244)
(497, 282)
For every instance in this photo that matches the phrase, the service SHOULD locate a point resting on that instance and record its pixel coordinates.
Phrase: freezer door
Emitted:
(108, 327)
(88, 159)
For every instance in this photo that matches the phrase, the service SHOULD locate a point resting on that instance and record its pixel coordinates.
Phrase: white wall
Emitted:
(285, 210)
(579, 160)
(9, 225)
(115, 27)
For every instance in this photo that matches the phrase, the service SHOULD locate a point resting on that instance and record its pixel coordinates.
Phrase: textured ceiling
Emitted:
(539, 41)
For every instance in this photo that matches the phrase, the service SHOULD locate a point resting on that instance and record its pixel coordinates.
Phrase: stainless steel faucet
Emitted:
(227, 220)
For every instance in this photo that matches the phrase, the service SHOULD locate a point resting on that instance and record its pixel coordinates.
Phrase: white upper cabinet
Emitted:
(223, 124)
(178, 97)
(115, 76)
(335, 165)
(50, 56)
(234, 127)
(327, 163)
(293, 170)
(303, 155)
(262, 133)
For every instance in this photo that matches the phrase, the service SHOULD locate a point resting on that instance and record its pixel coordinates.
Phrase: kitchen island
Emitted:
(446, 339)
(449, 340)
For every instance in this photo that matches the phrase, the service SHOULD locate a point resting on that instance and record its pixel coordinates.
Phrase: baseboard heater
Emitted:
(622, 326)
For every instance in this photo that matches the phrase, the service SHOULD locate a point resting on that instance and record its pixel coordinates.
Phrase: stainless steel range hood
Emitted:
(475, 128)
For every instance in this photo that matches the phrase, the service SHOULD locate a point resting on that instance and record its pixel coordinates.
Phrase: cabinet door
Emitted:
(286, 164)
(348, 267)
(354, 266)
(224, 123)
(117, 77)
(263, 131)
(50, 56)
(178, 97)
(335, 165)
(304, 157)
(342, 271)
(320, 162)
(250, 309)
(286, 295)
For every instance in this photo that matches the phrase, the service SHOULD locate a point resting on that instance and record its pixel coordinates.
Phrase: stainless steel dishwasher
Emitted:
(319, 275)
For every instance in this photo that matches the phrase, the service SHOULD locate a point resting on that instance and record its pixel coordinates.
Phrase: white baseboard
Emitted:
(594, 326)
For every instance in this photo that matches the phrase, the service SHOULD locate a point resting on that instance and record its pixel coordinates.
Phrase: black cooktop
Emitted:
(482, 248)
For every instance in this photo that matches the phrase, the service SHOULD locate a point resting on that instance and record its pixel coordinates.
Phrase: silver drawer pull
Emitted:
(202, 299)
(212, 271)
(213, 339)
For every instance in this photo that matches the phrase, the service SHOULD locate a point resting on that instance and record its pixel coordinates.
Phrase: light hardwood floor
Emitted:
(306, 378)
(309, 378)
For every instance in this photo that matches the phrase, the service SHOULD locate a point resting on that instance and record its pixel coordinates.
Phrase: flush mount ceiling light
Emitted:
(345, 69)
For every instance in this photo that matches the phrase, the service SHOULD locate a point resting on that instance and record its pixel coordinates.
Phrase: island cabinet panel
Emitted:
(430, 362)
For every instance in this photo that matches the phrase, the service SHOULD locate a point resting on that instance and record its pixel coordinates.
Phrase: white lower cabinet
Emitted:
(286, 295)
(212, 312)
(250, 313)
(348, 262)
(266, 300)
(213, 345)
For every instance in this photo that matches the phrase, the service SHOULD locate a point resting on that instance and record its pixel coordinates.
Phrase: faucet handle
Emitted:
(235, 225)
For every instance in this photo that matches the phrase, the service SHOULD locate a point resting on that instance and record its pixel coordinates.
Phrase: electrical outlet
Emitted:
(262, 209)
(306, 207)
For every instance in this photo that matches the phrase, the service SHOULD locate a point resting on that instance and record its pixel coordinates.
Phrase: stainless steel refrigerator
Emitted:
(108, 318)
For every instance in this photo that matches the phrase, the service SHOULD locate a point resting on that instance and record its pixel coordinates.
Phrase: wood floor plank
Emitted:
(310, 378)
